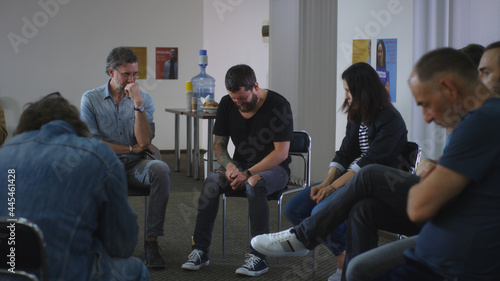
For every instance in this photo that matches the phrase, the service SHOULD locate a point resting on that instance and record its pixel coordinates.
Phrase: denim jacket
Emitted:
(75, 189)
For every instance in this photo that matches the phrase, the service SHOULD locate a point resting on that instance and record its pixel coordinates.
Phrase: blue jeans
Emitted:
(106, 268)
(301, 206)
(375, 198)
(258, 209)
(155, 175)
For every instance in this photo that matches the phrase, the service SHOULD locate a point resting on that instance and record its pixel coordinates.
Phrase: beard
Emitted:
(248, 106)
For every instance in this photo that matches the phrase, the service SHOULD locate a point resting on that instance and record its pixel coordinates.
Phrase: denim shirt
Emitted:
(75, 189)
(112, 123)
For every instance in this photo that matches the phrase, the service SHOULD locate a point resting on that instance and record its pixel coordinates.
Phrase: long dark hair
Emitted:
(381, 43)
(368, 93)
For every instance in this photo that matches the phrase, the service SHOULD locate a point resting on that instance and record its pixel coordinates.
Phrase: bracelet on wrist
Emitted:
(335, 189)
(130, 148)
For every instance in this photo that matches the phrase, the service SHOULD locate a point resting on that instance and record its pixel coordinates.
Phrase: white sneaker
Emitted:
(336, 276)
(279, 244)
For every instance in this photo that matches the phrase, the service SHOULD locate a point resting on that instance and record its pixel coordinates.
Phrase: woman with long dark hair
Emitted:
(375, 134)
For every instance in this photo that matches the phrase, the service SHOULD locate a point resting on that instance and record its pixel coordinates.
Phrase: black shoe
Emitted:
(152, 256)
(196, 260)
(254, 266)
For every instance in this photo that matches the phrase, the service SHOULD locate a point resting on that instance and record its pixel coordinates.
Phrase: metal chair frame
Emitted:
(30, 257)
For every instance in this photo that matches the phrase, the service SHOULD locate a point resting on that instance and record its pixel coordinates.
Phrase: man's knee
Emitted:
(258, 190)
(159, 169)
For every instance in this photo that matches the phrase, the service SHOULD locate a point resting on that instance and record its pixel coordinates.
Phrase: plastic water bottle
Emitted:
(203, 84)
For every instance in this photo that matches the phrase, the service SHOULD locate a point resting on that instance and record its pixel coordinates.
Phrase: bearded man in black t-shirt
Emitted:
(260, 125)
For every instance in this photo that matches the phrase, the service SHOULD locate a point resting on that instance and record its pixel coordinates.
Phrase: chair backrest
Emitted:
(22, 246)
(301, 146)
(410, 157)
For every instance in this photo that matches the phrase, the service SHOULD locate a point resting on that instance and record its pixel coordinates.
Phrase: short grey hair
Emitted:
(120, 56)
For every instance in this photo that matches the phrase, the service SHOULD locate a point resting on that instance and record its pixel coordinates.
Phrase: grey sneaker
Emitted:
(254, 266)
(279, 244)
(196, 260)
(152, 256)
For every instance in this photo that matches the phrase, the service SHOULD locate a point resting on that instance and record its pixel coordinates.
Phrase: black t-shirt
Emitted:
(254, 138)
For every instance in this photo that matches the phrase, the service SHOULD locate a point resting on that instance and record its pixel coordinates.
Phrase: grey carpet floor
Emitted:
(179, 225)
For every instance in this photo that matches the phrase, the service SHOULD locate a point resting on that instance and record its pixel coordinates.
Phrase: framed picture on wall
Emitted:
(142, 56)
(167, 63)
(361, 50)
(386, 64)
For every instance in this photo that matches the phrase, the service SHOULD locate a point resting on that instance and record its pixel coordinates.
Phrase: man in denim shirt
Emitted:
(121, 115)
(74, 188)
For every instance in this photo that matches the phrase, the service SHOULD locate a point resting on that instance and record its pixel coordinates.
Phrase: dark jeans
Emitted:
(368, 216)
(258, 209)
(410, 271)
(155, 175)
(375, 198)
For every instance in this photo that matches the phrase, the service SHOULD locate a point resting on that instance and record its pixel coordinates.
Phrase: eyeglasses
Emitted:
(126, 75)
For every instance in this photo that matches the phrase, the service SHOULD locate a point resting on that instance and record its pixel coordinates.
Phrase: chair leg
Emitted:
(223, 226)
(279, 219)
(145, 215)
(314, 262)
(249, 233)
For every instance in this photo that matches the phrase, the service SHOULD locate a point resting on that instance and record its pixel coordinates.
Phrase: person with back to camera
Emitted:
(375, 133)
(259, 123)
(120, 114)
(3, 126)
(75, 189)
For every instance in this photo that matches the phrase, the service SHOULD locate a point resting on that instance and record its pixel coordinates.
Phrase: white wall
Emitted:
(67, 47)
(67, 53)
(232, 35)
(377, 19)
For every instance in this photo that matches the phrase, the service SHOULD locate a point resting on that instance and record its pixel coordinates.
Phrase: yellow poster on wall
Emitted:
(361, 49)
(142, 56)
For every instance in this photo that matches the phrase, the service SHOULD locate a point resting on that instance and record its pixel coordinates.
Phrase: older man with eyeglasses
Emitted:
(120, 114)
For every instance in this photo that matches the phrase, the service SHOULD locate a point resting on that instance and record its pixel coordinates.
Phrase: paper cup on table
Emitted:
(194, 104)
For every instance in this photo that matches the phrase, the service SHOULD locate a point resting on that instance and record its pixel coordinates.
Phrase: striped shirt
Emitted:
(363, 143)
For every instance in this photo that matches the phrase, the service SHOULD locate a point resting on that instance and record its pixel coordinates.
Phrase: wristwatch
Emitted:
(140, 108)
(248, 172)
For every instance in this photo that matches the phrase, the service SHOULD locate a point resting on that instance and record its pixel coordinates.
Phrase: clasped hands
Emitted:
(136, 149)
(236, 177)
(321, 191)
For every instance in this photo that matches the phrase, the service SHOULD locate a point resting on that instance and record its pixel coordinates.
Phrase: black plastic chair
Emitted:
(300, 147)
(30, 260)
